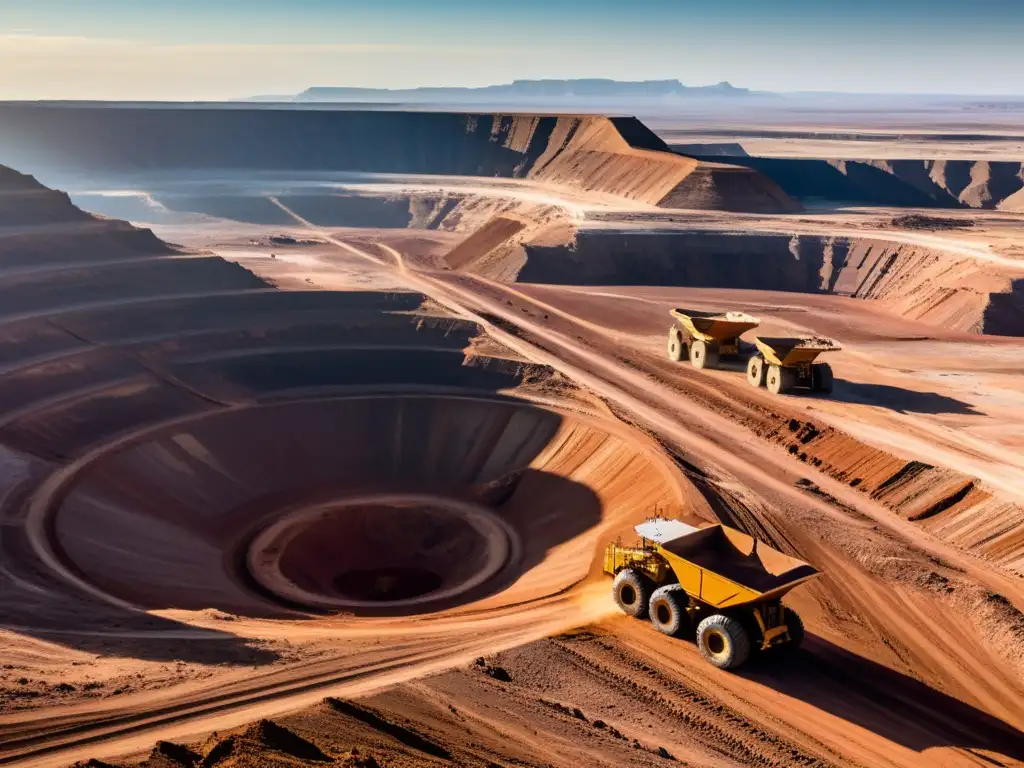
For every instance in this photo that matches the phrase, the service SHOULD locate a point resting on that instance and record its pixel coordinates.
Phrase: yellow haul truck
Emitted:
(784, 364)
(706, 337)
(716, 580)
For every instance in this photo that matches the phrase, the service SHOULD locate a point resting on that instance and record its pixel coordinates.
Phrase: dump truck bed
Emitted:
(714, 326)
(779, 350)
(724, 567)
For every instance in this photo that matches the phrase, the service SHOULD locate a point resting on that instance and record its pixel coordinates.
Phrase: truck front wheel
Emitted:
(677, 349)
(780, 380)
(723, 641)
(632, 591)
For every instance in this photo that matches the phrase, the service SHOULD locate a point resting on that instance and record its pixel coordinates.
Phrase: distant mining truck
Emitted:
(785, 364)
(714, 583)
(707, 337)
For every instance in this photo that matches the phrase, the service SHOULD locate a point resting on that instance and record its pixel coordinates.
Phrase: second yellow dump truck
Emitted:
(783, 364)
(715, 582)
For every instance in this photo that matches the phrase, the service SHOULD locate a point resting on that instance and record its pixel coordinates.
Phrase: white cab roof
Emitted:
(661, 530)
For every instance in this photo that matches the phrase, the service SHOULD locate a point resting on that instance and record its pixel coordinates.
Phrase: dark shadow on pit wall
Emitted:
(888, 703)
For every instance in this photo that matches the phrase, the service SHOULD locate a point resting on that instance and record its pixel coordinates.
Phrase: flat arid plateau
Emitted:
(431, 347)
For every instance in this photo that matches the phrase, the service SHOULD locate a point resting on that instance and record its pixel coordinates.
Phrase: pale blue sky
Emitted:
(208, 49)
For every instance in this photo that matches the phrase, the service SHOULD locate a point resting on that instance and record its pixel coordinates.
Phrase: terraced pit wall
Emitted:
(910, 183)
(612, 155)
(918, 283)
(145, 384)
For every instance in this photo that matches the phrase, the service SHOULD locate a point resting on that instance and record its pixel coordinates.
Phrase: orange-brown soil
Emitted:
(204, 453)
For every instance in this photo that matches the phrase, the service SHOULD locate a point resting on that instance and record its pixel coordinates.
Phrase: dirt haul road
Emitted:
(877, 602)
(910, 662)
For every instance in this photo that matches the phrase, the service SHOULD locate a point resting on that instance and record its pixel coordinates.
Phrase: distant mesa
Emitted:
(534, 91)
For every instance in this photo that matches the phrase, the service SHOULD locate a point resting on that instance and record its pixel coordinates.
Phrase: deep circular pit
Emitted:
(386, 551)
(366, 504)
(386, 584)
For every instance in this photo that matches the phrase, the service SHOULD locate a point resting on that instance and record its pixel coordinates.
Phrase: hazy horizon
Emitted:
(228, 49)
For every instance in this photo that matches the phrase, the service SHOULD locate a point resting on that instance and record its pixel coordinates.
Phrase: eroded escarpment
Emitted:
(915, 183)
(611, 155)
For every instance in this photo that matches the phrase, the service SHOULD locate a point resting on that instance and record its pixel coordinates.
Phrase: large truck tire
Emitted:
(780, 380)
(676, 346)
(821, 374)
(756, 371)
(632, 592)
(703, 355)
(667, 609)
(723, 641)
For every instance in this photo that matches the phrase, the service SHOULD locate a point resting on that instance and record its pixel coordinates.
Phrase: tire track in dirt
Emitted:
(705, 718)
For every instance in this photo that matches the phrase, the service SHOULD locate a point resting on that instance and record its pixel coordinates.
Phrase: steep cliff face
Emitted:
(614, 156)
(916, 183)
(916, 282)
(958, 293)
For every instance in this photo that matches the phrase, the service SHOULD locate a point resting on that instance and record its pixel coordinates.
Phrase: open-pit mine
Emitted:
(316, 459)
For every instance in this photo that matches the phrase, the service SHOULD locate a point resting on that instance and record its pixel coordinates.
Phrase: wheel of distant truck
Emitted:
(667, 609)
(821, 374)
(723, 641)
(632, 592)
(756, 371)
(676, 346)
(774, 380)
(795, 625)
(703, 355)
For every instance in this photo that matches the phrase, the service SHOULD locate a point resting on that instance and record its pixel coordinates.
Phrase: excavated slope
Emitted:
(137, 402)
(617, 155)
(450, 496)
(915, 183)
(42, 230)
(958, 293)
(26, 202)
(722, 187)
